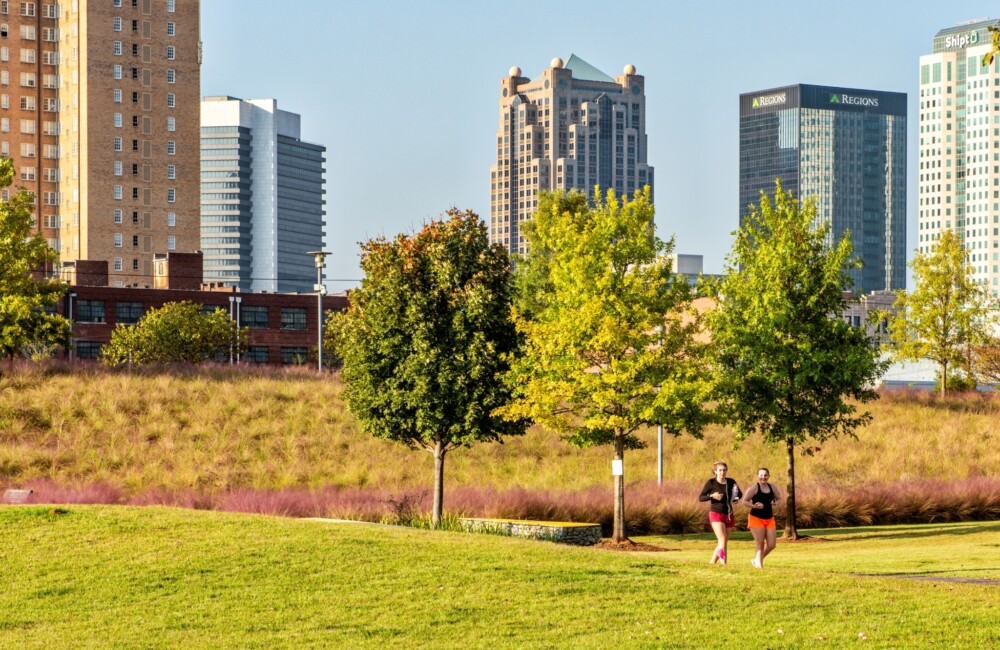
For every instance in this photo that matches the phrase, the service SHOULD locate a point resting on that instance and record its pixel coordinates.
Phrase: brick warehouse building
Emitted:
(283, 327)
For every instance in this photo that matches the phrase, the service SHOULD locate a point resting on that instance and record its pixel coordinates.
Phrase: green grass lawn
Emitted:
(117, 577)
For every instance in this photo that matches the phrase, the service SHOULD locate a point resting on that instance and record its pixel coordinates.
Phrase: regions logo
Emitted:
(768, 100)
(854, 100)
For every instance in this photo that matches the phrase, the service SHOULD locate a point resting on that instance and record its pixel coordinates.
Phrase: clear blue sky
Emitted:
(404, 94)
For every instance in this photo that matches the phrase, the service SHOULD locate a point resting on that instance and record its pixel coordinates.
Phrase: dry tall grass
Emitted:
(280, 441)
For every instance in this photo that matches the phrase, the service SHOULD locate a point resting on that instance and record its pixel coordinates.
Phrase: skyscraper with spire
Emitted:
(572, 128)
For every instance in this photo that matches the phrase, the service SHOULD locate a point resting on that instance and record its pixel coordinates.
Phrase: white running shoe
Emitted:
(756, 564)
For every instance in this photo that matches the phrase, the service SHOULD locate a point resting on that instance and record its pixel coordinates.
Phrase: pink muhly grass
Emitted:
(46, 491)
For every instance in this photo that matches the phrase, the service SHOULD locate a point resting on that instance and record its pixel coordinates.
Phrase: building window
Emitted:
(118, 192)
(27, 55)
(171, 147)
(171, 100)
(171, 243)
(116, 3)
(256, 354)
(135, 265)
(171, 172)
(118, 168)
(118, 216)
(118, 240)
(118, 120)
(293, 318)
(135, 241)
(171, 53)
(135, 193)
(28, 79)
(90, 311)
(171, 195)
(129, 312)
(27, 8)
(171, 123)
(118, 72)
(116, 23)
(254, 317)
(118, 144)
(118, 264)
(88, 349)
(117, 48)
(117, 95)
(171, 29)
(171, 219)
(294, 356)
(171, 76)
(170, 6)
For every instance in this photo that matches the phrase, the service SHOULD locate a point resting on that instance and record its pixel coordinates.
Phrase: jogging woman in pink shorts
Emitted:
(723, 493)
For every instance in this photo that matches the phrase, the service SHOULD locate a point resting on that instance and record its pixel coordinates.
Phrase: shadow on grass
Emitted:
(860, 533)
(904, 531)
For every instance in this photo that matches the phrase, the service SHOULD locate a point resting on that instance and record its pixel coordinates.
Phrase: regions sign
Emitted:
(769, 100)
(853, 100)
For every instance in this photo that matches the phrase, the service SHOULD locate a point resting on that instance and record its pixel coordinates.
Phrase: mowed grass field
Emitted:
(124, 577)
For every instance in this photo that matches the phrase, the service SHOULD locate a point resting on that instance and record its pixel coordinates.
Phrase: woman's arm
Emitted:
(707, 490)
(747, 498)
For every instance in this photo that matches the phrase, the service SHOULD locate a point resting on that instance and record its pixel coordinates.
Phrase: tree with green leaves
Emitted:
(26, 296)
(788, 365)
(177, 332)
(994, 46)
(610, 337)
(946, 315)
(425, 342)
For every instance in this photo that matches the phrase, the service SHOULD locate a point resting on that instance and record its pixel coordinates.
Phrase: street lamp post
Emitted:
(320, 257)
(72, 295)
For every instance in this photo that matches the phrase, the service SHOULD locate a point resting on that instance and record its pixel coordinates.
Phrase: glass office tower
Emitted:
(846, 149)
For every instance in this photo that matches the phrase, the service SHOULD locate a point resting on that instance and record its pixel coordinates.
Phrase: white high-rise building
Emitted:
(959, 170)
(262, 196)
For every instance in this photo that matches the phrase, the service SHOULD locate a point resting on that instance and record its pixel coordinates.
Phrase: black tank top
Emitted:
(764, 498)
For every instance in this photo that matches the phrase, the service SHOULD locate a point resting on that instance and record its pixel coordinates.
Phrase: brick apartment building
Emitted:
(283, 327)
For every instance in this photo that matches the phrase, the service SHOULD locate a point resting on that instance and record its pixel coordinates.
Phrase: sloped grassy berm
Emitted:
(281, 441)
(95, 577)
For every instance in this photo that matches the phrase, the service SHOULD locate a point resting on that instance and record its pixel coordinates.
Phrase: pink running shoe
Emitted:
(722, 555)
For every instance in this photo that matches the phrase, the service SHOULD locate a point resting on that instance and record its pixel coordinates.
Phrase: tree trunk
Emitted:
(790, 531)
(439, 452)
(944, 378)
(618, 529)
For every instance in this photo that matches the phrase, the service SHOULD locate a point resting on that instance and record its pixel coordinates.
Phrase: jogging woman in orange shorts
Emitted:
(723, 493)
(759, 498)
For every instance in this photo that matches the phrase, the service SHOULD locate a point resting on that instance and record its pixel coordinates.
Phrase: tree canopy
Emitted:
(947, 313)
(610, 337)
(789, 367)
(427, 339)
(26, 295)
(177, 332)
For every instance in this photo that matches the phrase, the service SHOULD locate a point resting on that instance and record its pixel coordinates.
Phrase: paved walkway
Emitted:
(973, 581)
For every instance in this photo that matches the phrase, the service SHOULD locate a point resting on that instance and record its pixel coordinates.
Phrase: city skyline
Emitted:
(404, 97)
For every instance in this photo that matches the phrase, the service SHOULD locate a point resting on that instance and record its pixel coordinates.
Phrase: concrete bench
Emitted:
(562, 532)
(16, 496)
